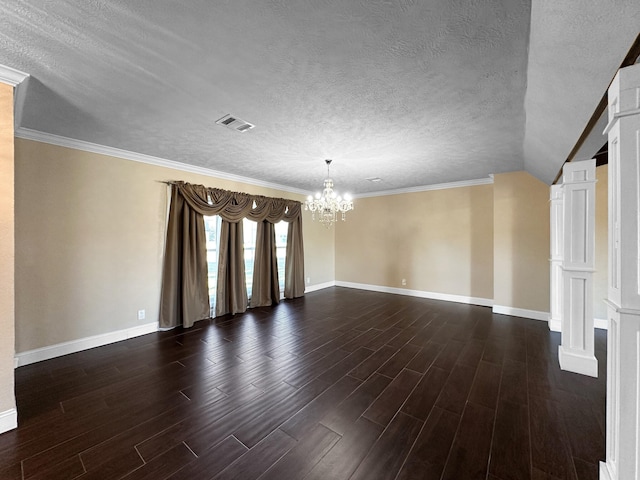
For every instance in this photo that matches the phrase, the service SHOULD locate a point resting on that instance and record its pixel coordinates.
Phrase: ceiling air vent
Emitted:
(234, 123)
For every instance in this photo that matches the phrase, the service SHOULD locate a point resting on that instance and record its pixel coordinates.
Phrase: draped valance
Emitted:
(234, 206)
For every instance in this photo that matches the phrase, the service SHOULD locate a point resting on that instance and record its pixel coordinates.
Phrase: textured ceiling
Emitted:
(413, 92)
(575, 50)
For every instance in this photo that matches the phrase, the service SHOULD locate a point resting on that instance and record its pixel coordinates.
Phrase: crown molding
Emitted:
(426, 188)
(38, 136)
(52, 139)
(11, 76)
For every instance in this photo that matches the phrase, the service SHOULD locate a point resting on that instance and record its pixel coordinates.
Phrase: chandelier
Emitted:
(329, 204)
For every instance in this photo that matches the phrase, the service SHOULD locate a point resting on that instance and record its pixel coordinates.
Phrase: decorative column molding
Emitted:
(576, 352)
(556, 248)
(623, 302)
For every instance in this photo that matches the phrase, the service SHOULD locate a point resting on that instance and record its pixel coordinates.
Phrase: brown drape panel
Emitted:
(265, 289)
(185, 294)
(294, 264)
(231, 290)
(185, 297)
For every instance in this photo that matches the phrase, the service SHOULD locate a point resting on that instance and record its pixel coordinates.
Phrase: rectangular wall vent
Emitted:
(234, 123)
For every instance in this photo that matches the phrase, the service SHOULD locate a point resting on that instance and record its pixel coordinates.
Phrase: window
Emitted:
(212, 229)
(282, 229)
(250, 230)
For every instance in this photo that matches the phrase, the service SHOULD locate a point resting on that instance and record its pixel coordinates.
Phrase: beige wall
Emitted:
(90, 235)
(319, 252)
(601, 250)
(521, 242)
(439, 241)
(7, 302)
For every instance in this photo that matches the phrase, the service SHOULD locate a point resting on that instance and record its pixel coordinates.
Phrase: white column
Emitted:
(576, 352)
(556, 248)
(623, 303)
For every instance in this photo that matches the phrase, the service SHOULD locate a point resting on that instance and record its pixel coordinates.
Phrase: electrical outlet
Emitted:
(404, 281)
(308, 280)
(141, 314)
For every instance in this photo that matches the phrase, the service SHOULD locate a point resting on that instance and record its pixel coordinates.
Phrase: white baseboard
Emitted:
(485, 302)
(577, 363)
(73, 346)
(555, 325)
(605, 473)
(521, 312)
(8, 420)
(319, 286)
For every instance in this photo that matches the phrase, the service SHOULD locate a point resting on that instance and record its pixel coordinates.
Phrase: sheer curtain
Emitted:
(184, 286)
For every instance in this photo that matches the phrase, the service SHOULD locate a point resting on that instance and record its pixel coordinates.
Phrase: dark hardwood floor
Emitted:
(340, 384)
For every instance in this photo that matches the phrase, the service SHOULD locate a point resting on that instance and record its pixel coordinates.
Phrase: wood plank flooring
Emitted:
(340, 384)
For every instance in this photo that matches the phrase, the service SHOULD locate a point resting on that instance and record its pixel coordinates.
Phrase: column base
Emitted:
(605, 472)
(577, 363)
(555, 324)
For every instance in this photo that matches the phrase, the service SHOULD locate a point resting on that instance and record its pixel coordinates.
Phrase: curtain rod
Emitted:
(175, 182)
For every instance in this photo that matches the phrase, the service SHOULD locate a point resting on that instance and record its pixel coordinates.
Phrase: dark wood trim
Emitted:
(602, 156)
(631, 58)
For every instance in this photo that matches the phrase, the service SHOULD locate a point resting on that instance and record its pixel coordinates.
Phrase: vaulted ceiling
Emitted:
(412, 92)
